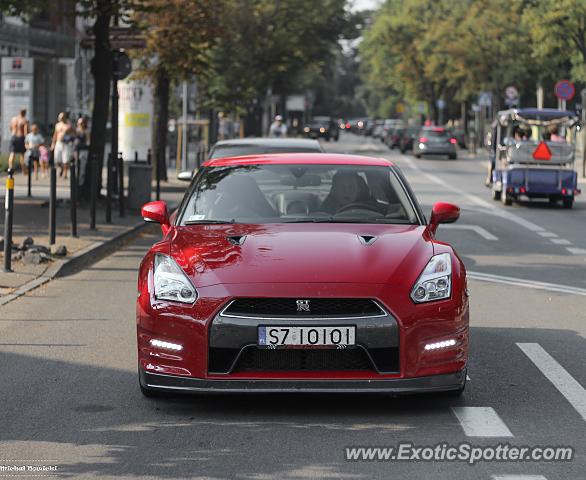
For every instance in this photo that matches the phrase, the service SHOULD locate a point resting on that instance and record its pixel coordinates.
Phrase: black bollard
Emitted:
(30, 176)
(8, 218)
(158, 175)
(52, 200)
(109, 188)
(73, 196)
(121, 183)
(93, 171)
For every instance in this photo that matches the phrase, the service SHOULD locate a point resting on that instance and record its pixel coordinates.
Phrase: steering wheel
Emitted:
(351, 206)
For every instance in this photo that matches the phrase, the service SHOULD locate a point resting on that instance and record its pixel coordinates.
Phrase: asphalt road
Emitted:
(69, 396)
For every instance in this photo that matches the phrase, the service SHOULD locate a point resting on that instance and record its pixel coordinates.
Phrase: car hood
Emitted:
(301, 253)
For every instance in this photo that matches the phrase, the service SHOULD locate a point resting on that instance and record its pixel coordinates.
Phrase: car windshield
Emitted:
(223, 151)
(298, 193)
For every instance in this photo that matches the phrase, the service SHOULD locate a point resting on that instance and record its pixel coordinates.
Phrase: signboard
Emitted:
(511, 96)
(485, 99)
(564, 90)
(17, 92)
(135, 113)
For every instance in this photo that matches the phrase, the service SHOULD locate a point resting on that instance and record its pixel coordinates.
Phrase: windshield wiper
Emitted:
(209, 222)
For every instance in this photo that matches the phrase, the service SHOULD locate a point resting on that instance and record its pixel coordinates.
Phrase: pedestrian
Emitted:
(44, 160)
(82, 141)
(278, 129)
(19, 128)
(62, 143)
(32, 143)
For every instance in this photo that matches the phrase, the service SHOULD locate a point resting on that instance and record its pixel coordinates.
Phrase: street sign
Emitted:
(440, 103)
(564, 90)
(512, 93)
(542, 152)
(485, 99)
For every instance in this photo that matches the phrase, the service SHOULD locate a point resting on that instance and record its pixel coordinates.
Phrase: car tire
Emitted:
(568, 202)
(496, 194)
(453, 157)
(506, 200)
(417, 155)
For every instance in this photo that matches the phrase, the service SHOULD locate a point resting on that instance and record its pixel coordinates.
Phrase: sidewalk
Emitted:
(31, 219)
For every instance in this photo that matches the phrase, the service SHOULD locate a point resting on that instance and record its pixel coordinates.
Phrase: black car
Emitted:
(407, 139)
(322, 127)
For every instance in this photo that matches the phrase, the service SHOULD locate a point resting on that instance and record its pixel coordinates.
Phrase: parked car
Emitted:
(378, 130)
(393, 137)
(264, 281)
(435, 141)
(322, 127)
(407, 139)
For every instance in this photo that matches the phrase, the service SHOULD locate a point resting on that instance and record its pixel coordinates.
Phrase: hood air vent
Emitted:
(367, 239)
(237, 239)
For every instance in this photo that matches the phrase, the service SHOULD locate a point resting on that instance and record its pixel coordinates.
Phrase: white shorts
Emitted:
(62, 153)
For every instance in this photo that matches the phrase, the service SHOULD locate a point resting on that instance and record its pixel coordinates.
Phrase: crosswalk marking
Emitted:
(518, 477)
(558, 375)
(481, 422)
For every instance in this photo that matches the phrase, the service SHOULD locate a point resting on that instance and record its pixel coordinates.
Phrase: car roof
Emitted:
(270, 142)
(299, 158)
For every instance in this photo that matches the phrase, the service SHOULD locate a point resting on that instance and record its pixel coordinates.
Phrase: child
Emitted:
(44, 160)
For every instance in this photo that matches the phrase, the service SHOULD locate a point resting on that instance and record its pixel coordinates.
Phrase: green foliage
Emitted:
(452, 49)
(281, 46)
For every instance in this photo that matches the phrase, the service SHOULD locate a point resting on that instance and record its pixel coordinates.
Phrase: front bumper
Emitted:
(435, 383)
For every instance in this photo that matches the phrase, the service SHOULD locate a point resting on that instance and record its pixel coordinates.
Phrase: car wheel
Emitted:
(496, 194)
(568, 202)
(506, 200)
(453, 157)
(417, 155)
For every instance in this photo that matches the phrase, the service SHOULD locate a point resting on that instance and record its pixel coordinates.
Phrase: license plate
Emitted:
(273, 337)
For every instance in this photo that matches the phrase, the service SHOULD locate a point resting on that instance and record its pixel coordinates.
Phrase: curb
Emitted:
(78, 260)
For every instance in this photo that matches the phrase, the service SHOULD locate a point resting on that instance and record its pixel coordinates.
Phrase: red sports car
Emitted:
(301, 272)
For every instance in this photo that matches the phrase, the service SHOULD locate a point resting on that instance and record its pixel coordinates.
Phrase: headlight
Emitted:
(170, 282)
(435, 282)
(322, 130)
(306, 129)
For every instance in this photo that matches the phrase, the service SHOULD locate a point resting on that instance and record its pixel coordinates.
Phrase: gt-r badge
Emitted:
(303, 305)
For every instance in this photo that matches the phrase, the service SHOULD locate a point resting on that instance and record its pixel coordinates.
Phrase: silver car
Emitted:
(435, 141)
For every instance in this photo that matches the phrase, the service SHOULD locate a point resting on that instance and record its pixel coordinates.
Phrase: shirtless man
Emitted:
(19, 129)
(62, 143)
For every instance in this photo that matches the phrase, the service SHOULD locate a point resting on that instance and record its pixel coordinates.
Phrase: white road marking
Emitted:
(533, 227)
(518, 477)
(547, 234)
(481, 422)
(520, 282)
(558, 375)
(560, 241)
(576, 251)
(475, 228)
(467, 378)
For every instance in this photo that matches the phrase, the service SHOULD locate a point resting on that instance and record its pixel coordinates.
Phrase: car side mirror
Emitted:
(443, 213)
(156, 212)
(185, 176)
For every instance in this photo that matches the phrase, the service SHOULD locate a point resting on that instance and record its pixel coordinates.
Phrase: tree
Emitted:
(272, 47)
(180, 35)
(558, 34)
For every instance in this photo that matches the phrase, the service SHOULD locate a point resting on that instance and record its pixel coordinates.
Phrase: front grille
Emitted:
(316, 307)
(255, 359)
